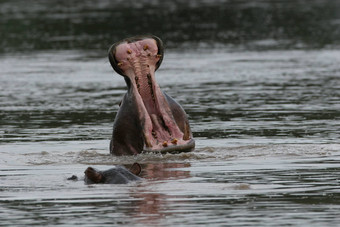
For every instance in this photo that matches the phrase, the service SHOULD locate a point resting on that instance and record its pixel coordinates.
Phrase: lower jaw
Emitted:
(189, 146)
(159, 136)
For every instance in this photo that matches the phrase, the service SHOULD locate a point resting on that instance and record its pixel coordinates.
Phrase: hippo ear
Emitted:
(135, 168)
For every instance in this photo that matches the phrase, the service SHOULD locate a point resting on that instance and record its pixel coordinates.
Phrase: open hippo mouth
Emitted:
(157, 122)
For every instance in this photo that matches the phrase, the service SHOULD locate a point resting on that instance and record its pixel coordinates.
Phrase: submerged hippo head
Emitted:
(116, 175)
(148, 119)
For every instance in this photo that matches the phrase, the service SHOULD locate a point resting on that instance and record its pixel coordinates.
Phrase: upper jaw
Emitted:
(116, 64)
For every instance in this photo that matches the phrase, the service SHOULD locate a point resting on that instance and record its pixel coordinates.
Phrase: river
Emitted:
(259, 81)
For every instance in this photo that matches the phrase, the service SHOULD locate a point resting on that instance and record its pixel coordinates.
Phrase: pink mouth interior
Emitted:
(138, 61)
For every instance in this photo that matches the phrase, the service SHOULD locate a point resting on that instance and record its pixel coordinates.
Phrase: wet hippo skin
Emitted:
(116, 175)
(148, 120)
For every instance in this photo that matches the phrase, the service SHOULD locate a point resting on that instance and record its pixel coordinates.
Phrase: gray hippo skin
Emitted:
(116, 175)
(148, 120)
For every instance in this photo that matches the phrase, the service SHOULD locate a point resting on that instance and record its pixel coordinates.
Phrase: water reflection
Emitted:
(256, 185)
(165, 171)
(152, 207)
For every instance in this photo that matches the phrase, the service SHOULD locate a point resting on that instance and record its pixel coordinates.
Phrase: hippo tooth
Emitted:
(147, 142)
(129, 51)
(119, 64)
(174, 141)
(165, 144)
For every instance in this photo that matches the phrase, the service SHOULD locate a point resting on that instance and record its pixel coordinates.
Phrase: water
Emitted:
(264, 108)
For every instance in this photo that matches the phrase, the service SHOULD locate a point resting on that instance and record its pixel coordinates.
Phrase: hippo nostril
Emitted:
(145, 47)
(129, 51)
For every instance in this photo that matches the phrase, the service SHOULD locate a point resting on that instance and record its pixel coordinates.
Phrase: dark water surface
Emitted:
(258, 79)
(95, 24)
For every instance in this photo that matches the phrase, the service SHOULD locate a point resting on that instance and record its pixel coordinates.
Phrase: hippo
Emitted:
(148, 120)
(116, 175)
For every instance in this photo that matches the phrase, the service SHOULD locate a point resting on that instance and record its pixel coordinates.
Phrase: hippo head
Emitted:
(148, 119)
(116, 175)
